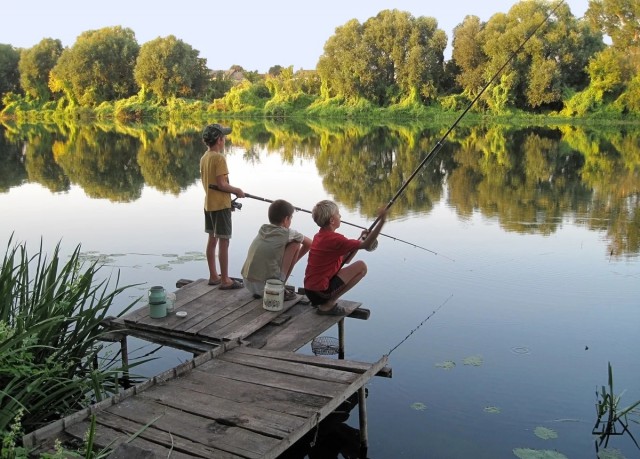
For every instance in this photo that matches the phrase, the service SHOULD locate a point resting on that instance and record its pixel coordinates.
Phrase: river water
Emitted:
(498, 334)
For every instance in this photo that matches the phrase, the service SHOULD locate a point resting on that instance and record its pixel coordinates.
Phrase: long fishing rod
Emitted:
(438, 146)
(247, 195)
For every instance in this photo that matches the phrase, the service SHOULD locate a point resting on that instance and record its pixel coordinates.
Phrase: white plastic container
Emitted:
(273, 297)
(171, 302)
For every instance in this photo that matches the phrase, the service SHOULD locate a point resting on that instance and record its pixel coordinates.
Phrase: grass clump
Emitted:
(51, 359)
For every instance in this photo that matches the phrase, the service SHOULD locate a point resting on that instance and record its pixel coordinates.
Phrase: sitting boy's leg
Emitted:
(350, 276)
(289, 259)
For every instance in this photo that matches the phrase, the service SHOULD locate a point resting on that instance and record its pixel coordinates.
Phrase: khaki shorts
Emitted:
(218, 223)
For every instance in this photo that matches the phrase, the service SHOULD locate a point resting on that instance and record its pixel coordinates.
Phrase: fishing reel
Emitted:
(236, 205)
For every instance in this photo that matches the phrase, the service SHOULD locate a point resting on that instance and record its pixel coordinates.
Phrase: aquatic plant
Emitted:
(492, 409)
(545, 433)
(51, 359)
(446, 365)
(418, 406)
(610, 415)
(474, 360)
(606, 453)
(527, 453)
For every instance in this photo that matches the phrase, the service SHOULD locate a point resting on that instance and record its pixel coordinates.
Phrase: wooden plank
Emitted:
(183, 296)
(254, 320)
(359, 382)
(289, 368)
(303, 328)
(196, 429)
(226, 412)
(327, 362)
(212, 308)
(236, 372)
(282, 400)
(107, 438)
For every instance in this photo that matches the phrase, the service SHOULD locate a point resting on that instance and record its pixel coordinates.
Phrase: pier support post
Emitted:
(362, 412)
(341, 339)
(124, 351)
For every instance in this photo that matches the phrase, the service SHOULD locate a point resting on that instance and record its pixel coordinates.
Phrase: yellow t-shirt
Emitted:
(213, 164)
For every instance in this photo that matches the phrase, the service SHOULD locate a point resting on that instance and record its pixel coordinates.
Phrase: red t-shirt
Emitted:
(325, 258)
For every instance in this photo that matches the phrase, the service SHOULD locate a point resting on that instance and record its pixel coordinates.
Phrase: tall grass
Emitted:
(50, 315)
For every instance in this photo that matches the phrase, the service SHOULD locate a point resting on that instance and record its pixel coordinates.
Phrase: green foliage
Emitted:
(170, 68)
(609, 413)
(384, 60)
(245, 97)
(9, 73)
(550, 61)
(619, 19)
(35, 65)
(50, 316)
(112, 51)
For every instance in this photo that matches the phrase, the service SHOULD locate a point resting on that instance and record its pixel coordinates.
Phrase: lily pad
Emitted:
(446, 365)
(544, 433)
(607, 453)
(474, 360)
(526, 453)
(418, 406)
(492, 409)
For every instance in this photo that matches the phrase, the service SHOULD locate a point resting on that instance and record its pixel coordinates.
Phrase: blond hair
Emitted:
(323, 211)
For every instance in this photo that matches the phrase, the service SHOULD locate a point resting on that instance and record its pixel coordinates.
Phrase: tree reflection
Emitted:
(12, 172)
(528, 179)
(102, 163)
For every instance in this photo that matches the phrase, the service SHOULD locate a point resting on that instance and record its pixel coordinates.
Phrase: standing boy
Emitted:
(325, 279)
(217, 204)
(274, 251)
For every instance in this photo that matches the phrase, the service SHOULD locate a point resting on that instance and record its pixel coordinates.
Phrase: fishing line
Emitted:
(252, 196)
(438, 145)
(419, 325)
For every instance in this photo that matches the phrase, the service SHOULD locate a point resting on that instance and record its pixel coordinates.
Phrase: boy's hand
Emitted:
(382, 213)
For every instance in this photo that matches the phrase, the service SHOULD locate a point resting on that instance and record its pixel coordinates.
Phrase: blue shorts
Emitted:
(316, 298)
(218, 223)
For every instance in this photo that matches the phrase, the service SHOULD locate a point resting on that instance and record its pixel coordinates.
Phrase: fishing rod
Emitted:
(438, 145)
(238, 206)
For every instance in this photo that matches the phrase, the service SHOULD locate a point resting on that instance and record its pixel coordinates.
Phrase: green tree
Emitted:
(551, 61)
(275, 70)
(169, 68)
(9, 74)
(341, 61)
(468, 55)
(391, 57)
(619, 19)
(98, 67)
(615, 71)
(217, 86)
(36, 64)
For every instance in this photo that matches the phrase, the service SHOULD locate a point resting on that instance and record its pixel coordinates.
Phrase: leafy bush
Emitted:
(50, 315)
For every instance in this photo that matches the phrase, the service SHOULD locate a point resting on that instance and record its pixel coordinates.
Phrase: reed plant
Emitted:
(52, 361)
(611, 418)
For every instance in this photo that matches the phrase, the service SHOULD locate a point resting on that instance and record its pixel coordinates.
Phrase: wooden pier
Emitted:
(247, 394)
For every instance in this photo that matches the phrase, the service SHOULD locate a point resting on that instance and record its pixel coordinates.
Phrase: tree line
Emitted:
(391, 60)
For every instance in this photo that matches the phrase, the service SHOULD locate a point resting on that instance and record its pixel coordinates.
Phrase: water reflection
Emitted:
(529, 179)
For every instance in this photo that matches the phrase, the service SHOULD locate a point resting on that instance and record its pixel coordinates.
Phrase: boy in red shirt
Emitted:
(325, 279)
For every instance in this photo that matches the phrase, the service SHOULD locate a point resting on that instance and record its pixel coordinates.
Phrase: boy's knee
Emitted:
(362, 267)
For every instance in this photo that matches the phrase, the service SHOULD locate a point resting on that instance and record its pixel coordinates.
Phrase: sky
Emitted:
(255, 34)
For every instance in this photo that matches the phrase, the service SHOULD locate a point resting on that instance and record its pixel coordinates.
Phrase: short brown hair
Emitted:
(279, 210)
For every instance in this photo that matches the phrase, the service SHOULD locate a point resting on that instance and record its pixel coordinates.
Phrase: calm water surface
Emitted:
(526, 302)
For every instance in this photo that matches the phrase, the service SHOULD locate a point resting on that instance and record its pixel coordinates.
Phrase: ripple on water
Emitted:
(520, 350)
